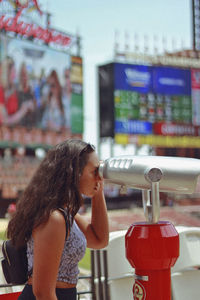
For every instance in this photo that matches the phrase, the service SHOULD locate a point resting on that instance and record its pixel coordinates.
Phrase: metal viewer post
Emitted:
(152, 247)
(152, 174)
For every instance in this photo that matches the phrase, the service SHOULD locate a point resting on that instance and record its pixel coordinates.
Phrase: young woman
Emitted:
(53, 116)
(68, 171)
(26, 98)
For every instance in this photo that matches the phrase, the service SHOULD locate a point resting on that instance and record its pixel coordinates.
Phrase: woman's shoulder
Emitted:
(54, 225)
(57, 217)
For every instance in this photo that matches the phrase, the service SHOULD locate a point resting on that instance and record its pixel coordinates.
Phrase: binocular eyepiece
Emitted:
(174, 174)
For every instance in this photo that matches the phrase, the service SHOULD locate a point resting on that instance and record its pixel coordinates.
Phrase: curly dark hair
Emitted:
(54, 185)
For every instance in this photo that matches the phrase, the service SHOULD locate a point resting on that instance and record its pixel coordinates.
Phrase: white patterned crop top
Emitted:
(73, 252)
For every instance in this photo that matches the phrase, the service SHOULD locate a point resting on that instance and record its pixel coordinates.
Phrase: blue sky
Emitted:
(97, 20)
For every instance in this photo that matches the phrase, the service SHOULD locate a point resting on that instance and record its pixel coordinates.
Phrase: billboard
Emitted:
(152, 100)
(40, 88)
(16, 19)
(195, 81)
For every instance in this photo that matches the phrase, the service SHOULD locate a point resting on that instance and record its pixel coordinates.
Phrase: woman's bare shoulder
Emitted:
(56, 216)
(54, 225)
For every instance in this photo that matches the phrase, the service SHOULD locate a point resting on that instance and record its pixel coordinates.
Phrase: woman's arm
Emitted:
(48, 246)
(97, 230)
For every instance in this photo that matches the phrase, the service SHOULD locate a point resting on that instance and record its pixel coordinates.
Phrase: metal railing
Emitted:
(85, 292)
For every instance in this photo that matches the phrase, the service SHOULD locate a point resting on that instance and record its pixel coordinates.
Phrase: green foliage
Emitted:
(3, 235)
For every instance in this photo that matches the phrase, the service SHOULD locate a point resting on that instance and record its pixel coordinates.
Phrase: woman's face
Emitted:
(90, 177)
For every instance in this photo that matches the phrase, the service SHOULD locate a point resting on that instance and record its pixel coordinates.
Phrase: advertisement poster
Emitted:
(133, 77)
(195, 81)
(39, 87)
(76, 76)
(171, 81)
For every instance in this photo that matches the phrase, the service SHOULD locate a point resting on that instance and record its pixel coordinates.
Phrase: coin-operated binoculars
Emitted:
(152, 247)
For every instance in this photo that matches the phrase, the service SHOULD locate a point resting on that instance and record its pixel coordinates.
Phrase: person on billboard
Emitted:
(10, 112)
(56, 244)
(39, 84)
(26, 96)
(8, 92)
(66, 97)
(53, 116)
